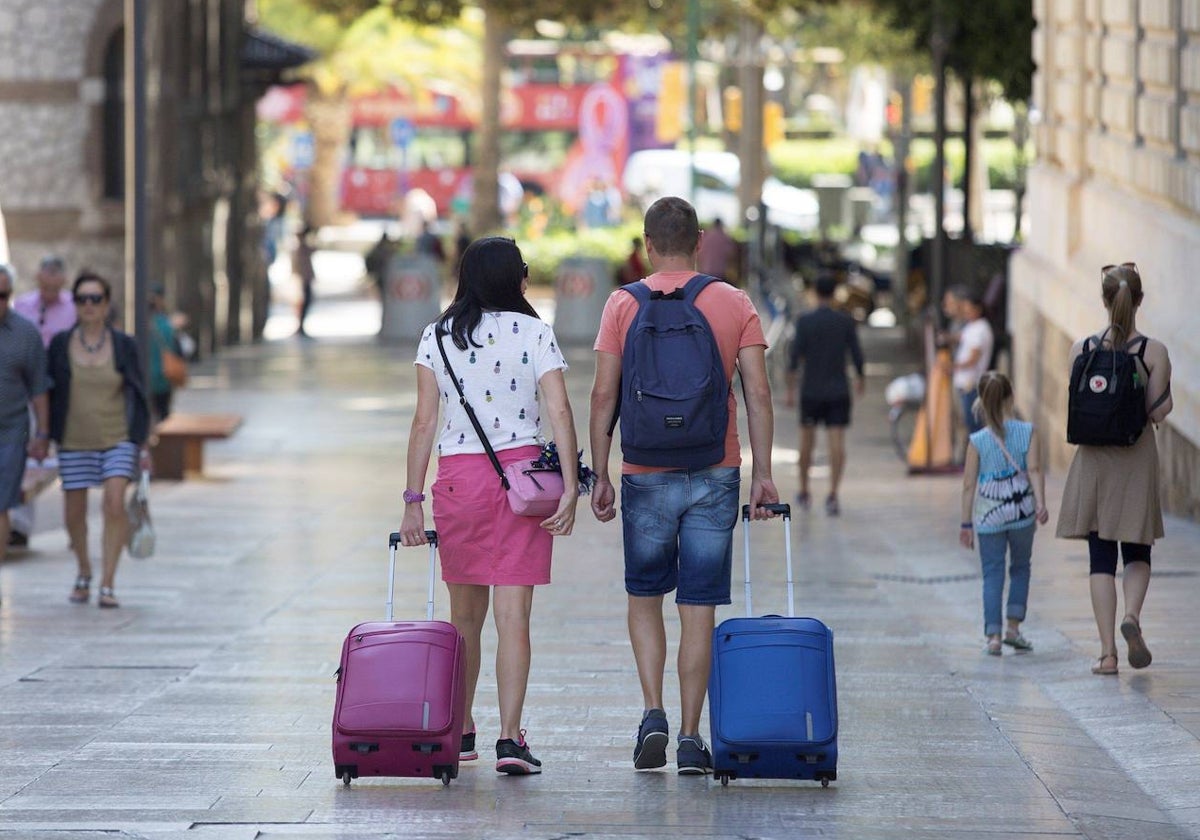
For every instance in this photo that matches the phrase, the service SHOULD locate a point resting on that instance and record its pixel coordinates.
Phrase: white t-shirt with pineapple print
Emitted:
(500, 380)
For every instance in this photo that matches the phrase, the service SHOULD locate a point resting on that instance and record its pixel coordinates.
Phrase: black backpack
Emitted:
(1107, 401)
(673, 401)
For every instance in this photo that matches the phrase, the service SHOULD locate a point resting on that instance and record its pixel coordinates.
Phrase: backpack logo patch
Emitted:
(1098, 384)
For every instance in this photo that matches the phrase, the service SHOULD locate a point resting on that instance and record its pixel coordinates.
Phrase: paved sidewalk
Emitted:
(201, 708)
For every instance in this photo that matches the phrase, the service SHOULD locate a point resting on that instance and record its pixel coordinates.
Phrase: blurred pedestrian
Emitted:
(1111, 496)
(510, 369)
(377, 259)
(23, 386)
(49, 306)
(634, 267)
(1003, 495)
(824, 338)
(717, 251)
(51, 309)
(100, 420)
(678, 520)
(972, 354)
(462, 241)
(164, 344)
(430, 245)
(305, 273)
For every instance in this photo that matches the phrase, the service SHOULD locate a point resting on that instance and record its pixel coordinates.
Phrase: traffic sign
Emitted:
(402, 131)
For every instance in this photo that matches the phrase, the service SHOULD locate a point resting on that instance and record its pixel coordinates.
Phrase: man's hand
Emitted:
(762, 492)
(604, 500)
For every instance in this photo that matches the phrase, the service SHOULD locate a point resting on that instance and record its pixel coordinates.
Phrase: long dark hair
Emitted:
(489, 277)
(1121, 288)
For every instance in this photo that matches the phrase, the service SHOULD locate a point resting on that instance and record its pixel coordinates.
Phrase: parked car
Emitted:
(652, 173)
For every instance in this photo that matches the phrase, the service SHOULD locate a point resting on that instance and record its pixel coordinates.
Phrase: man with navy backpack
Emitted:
(666, 352)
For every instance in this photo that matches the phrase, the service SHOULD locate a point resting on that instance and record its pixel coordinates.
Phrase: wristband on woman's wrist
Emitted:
(969, 526)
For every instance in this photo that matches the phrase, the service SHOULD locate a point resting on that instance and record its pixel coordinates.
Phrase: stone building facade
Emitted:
(1117, 180)
(62, 180)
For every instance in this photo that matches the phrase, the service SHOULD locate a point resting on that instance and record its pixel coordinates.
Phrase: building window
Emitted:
(114, 116)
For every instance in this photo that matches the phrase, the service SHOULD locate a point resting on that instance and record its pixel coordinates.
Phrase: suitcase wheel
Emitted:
(824, 783)
(346, 778)
(446, 778)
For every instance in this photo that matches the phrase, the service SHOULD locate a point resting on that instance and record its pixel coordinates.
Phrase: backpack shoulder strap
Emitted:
(639, 290)
(696, 285)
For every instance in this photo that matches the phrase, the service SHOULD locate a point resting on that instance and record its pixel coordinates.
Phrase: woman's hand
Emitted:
(1043, 515)
(412, 526)
(563, 520)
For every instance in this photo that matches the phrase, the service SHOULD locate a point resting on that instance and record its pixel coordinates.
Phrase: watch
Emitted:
(411, 496)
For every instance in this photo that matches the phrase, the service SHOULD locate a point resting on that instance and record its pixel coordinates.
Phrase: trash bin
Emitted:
(862, 201)
(411, 299)
(581, 287)
(831, 190)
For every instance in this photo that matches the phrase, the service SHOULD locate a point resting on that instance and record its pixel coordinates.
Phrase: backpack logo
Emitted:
(674, 394)
(1107, 401)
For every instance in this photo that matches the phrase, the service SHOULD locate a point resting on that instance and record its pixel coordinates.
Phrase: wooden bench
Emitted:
(181, 437)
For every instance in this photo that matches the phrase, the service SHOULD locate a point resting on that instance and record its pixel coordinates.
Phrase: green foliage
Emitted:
(546, 252)
(987, 40)
(796, 161)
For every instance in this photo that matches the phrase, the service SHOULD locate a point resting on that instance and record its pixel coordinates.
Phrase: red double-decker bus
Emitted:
(570, 116)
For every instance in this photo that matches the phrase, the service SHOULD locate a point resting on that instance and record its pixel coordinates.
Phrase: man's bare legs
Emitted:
(648, 635)
(695, 662)
(837, 460)
(808, 439)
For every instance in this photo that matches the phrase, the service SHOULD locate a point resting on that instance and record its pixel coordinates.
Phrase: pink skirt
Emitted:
(480, 540)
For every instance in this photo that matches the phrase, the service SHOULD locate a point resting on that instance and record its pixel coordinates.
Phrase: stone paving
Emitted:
(201, 708)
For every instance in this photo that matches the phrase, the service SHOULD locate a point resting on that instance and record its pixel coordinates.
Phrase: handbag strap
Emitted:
(1004, 449)
(462, 400)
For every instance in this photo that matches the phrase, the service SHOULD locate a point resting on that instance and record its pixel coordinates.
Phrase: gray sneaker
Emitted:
(692, 756)
(652, 739)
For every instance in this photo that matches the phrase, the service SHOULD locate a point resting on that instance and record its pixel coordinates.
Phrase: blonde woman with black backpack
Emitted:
(1111, 497)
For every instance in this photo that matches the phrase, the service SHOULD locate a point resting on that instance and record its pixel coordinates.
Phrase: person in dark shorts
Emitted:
(823, 338)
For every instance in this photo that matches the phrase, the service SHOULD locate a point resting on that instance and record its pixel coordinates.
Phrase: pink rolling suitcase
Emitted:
(400, 693)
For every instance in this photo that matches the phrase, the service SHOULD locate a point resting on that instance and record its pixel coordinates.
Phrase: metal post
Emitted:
(693, 54)
(136, 316)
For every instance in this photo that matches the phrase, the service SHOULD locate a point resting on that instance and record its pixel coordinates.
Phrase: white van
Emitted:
(652, 173)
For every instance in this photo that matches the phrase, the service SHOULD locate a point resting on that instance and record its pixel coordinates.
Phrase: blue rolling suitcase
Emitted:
(771, 693)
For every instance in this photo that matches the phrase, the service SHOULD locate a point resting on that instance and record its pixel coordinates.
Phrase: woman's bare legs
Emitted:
(512, 605)
(468, 610)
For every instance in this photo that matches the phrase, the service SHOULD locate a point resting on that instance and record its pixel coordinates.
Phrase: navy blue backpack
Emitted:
(674, 397)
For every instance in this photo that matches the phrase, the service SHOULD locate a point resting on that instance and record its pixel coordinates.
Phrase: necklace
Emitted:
(93, 348)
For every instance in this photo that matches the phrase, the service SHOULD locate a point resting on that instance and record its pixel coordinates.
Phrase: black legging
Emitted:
(1103, 554)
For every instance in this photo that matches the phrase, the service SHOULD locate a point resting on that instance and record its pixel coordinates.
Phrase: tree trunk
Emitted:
(485, 206)
(969, 152)
(329, 115)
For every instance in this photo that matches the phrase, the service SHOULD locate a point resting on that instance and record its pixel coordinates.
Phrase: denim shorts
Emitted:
(678, 529)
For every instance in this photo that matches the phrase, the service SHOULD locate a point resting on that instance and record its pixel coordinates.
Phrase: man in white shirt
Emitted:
(973, 355)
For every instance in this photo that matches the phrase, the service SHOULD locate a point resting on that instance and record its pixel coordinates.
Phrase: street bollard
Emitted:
(581, 287)
(411, 297)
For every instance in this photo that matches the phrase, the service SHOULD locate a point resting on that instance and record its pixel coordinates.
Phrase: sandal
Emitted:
(107, 599)
(803, 501)
(1018, 642)
(80, 592)
(1139, 654)
(993, 647)
(1104, 670)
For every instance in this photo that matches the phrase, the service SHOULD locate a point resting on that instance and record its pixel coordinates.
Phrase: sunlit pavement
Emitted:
(201, 708)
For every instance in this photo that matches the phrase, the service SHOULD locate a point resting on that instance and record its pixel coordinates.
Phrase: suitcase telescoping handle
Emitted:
(786, 511)
(394, 540)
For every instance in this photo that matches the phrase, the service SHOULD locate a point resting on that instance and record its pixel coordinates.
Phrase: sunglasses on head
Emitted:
(1108, 268)
(96, 299)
